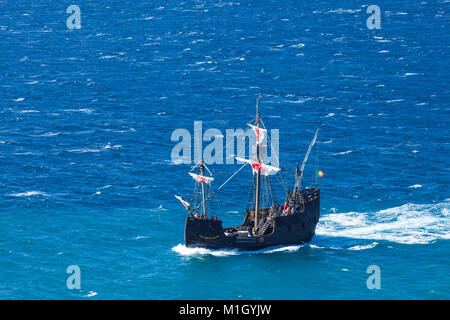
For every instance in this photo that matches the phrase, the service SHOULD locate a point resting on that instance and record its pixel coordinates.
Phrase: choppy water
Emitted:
(87, 116)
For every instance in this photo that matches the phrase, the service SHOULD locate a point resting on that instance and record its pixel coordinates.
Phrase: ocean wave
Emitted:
(49, 134)
(160, 208)
(29, 111)
(108, 57)
(91, 294)
(364, 247)
(109, 146)
(140, 237)
(316, 246)
(84, 150)
(407, 224)
(28, 194)
(83, 110)
(106, 147)
(340, 10)
(292, 248)
(343, 152)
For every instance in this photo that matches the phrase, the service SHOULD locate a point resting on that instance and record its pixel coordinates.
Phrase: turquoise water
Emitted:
(85, 138)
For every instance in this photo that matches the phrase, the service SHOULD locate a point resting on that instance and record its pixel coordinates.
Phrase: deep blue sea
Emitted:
(87, 114)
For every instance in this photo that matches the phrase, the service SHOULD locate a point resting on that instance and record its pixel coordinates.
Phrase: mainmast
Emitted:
(202, 173)
(258, 178)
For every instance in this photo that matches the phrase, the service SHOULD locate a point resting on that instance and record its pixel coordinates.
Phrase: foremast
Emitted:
(201, 179)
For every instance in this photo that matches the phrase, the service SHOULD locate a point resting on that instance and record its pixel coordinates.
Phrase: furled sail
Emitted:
(265, 169)
(200, 178)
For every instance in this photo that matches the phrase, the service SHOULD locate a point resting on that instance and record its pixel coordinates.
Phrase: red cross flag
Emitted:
(260, 133)
(183, 202)
(200, 178)
(264, 168)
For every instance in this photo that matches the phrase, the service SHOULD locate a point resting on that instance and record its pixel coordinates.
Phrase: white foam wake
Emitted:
(192, 252)
(189, 252)
(409, 224)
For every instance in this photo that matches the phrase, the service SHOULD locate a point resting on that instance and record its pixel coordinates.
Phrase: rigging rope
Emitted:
(244, 131)
(276, 157)
(212, 194)
(271, 146)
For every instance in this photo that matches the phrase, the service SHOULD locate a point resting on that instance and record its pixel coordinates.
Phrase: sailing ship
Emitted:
(265, 223)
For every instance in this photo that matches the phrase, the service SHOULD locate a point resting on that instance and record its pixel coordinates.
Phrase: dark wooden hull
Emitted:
(291, 229)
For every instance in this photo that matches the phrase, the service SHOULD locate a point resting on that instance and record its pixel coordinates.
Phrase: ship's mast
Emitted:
(201, 179)
(258, 178)
(202, 173)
